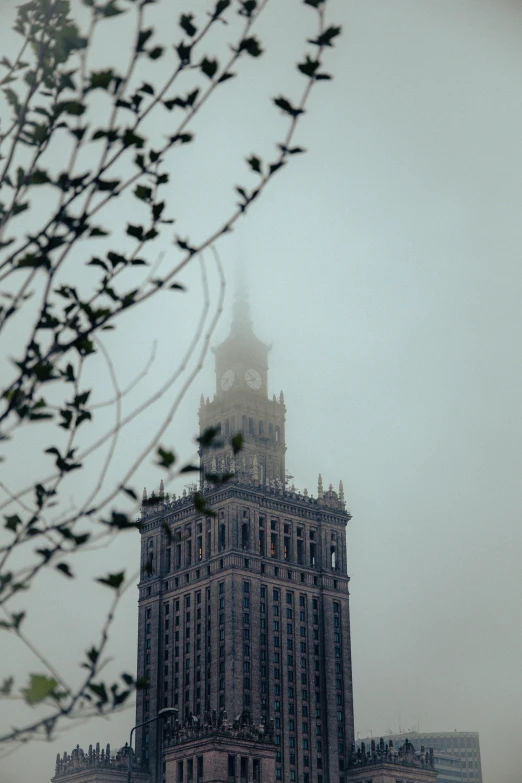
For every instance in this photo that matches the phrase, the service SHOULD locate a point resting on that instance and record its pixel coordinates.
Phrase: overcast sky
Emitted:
(384, 267)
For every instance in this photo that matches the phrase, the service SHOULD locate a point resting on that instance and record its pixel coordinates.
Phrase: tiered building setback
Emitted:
(244, 621)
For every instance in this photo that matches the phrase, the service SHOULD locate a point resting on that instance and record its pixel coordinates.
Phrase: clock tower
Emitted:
(241, 404)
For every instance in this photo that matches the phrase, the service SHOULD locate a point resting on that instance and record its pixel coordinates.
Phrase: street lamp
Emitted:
(161, 714)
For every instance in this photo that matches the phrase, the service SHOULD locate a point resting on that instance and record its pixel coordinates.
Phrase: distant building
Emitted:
(96, 766)
(456, 754)
(244, 627)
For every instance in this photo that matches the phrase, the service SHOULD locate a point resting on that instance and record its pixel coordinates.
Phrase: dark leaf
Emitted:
(166, 459)
(251, 46)
(111, 9)
(12, 522)
(155, 53)
(75, 108)
(135, 231)
(38, 177)
(309, 67)
(189, 469)
(99, 689)
(132, 139)
(187, 25)
(291, 150)
(143, 37)
(143, 192)
(326, 38)
(208, 439)
(255, 163)
(64, 568)
(209, 67)
(200, 504)
(225, 77)
(177, 287)
(107, 184)
(101, 79)
(247, 8)
(184, 51)
(130, 492)
(237, 442)
(183, 138)
(112, 580)
(221, 6)
(287, 107)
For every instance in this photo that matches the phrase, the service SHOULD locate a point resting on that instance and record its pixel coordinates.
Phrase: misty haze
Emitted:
(357, 324)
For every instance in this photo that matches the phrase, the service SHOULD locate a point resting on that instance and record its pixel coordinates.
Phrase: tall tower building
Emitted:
(244, 622)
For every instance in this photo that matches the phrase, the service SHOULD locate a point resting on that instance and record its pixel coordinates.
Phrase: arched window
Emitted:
(232, 424)
(218, 427)
(221, 537)
(244, 423)
(227, 427)
(261, 428)
(245, 536)
(277, 434)
(270, 431)
(332, 558)
(251, 426)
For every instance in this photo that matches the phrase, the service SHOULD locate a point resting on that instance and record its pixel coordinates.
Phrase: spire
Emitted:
(241, 318)
(161, 488)
(144, 496)
(341, 492)
(320, 492)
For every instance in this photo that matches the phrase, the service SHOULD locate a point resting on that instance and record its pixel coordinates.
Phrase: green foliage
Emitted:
(55, 101)
(39, 689)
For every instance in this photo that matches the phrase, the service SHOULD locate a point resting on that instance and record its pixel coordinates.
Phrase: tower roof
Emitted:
(241, 338)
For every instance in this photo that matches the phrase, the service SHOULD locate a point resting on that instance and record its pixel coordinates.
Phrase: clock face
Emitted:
(227, 379)
(253, 379)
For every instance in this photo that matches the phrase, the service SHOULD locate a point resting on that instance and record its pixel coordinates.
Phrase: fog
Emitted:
(384, 268)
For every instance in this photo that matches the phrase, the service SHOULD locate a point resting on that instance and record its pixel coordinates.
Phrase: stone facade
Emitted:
(381, 762)
(245, 614)
(97, 766)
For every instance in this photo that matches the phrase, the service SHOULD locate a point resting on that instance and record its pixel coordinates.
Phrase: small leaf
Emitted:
(130, 492)
(132, 139)
(225, 77)
(208, 438)
(64, 568)
(38, 177)
(101, 79)
(209, 67)
(221, 6)
(143, 37)
(12, 522)
(114, 581)
(186, 24)
(189, 469)
(155, 53)
(166, 458)
(255, 163)
(287, 107)
(184, 52)
(251, 46)
(75, 108)
(237, 442)
(326, 38)
(39, 689)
